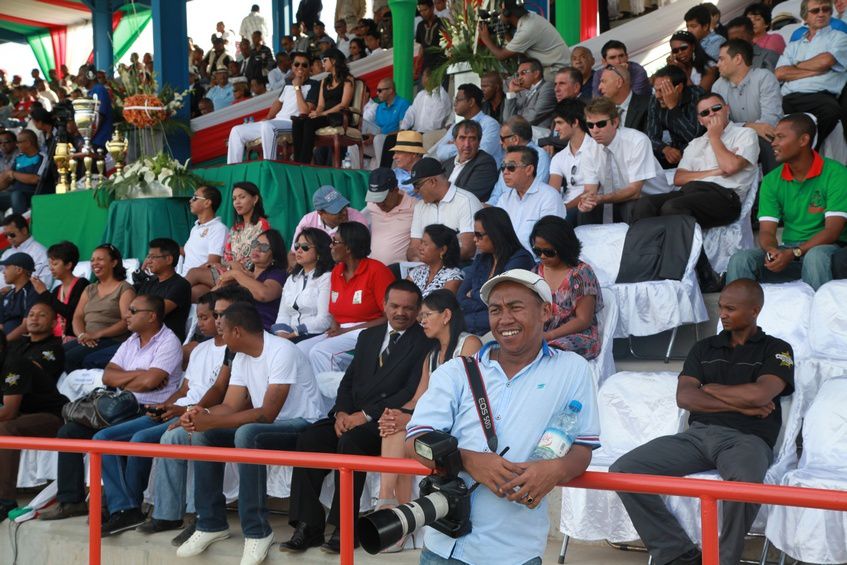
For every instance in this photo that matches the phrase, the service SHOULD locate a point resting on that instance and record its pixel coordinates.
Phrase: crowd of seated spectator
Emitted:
(389, 294)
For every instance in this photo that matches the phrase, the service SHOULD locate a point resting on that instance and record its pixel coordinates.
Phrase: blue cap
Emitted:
(327, 199)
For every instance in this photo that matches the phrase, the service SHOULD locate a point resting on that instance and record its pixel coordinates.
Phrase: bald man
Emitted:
(731, 385)
(387, 116)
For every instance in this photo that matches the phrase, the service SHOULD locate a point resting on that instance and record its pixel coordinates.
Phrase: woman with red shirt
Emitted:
(250, 224)
(356, 297)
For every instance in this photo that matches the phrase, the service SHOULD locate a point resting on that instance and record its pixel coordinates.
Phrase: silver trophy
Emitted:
(86, 116)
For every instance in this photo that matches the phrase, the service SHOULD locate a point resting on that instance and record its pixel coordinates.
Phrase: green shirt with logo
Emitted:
(804, 206)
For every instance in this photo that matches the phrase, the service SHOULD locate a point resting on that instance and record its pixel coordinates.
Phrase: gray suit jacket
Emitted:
(478, 176)
(764, 58)
(536, 106)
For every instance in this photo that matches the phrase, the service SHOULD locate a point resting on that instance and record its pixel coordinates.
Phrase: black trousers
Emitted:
(839, 264)
(306, 483)
(822, 105)
(387, 158)
(70, 471)
(303, 131)
(621, 212)
(709, 203)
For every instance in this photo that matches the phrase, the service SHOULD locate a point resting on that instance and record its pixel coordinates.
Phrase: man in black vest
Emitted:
(384, 374)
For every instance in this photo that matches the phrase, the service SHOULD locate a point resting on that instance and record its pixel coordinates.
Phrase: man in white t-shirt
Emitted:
(621, 167)
(716, 171)
(205, 243)
(567, 168)
(441, 203)
(272, 395)
(298, 96)
(16, 230)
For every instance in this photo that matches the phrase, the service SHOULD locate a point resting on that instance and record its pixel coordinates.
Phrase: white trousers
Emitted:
(266, 130)
(330, 353)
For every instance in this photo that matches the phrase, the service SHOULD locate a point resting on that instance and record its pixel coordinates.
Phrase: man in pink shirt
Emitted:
(331, 209)
(390, 212)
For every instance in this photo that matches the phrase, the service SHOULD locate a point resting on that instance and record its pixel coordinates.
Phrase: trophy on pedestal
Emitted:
(86, 115)
(117, 148)
(61, 157)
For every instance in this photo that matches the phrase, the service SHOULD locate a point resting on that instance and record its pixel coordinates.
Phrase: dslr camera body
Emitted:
(444, 505)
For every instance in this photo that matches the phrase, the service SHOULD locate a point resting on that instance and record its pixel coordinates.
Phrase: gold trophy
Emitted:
(73, 169)
(117, 147)
(101, 166)
(60, 157)
(86, 117)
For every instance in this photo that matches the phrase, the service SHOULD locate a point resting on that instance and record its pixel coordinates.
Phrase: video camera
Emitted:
(444, 504)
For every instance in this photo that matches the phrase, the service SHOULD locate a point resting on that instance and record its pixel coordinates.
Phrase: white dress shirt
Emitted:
(430, 111)
(277, 78)
(744, 142)
(540, 200)
(629, 159)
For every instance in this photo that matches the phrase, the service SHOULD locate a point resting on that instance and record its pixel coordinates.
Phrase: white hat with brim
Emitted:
(523, 277)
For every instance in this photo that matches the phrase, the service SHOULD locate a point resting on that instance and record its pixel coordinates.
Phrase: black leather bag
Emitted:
(101, 408)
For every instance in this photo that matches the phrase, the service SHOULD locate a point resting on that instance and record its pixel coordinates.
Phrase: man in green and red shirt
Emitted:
(809, 194)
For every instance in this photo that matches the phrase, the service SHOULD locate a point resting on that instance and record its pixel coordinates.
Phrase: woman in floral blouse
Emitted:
(440, 254)
(250, 223)
(576, 292)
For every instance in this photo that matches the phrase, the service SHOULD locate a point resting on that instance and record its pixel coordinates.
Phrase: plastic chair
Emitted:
(626, 421)
(603, 366)
(83, 270)
(808, 534)
(646, 308)
(131, 265)
(721, 242)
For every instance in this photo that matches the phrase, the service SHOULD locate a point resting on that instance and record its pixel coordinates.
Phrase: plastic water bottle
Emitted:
(559, 435)
(346, 163)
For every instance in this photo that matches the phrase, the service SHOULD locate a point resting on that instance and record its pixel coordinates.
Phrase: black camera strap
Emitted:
(483, 406)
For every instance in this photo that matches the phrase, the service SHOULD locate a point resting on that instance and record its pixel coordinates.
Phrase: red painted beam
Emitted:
(67, 4)
(26, 22)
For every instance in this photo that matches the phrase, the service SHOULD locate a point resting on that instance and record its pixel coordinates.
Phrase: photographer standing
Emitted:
(534, 37)
(527, 385)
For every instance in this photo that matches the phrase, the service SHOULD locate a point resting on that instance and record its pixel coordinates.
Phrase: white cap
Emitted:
(521, 276)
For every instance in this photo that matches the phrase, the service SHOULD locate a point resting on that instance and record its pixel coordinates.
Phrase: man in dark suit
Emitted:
(530, 95)
(616, 84)
(472, 169)
(384, 374)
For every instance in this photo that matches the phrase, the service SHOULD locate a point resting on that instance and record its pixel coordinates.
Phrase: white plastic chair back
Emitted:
(602, 247)
(603, 366)
(834, 146)
(83, 270)
(828, 325)
(786, 314)
(131, 265)
(721, 242)
(825, 429)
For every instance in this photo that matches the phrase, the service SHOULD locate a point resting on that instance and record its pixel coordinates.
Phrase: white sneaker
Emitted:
(199, 541)
(256, 549)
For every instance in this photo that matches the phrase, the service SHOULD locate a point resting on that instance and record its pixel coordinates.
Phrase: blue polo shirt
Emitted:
(388, 118)
(105, 126)
(30, 165)
(504, 532)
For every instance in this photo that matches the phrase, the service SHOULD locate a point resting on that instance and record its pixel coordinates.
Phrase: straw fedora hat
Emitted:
(410, 142)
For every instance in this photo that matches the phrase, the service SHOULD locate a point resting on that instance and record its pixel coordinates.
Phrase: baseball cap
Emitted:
(328, 199)
(523, 277)
(381, 181)
(425, 168)
(22, 260)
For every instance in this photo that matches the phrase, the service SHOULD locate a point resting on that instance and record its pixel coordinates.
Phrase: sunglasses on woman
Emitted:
(545, 251)
(676, 50)
(303, 246)
(261, 247)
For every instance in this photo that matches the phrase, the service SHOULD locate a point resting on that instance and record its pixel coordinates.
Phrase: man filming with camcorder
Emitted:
(490, 427)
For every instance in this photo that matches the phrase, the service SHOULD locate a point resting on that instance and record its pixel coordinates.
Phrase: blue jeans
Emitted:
(430, 558)
(252, 479)
(814, 268)
(173, 491)
(125, 478)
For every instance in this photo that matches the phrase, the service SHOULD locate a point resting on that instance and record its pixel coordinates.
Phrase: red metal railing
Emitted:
(709, 492)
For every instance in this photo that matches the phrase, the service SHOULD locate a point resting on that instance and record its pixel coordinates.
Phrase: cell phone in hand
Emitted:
(155, 411)
(769, 256)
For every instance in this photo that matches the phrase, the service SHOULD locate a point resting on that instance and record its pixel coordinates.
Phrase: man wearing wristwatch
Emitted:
(298, 96)
(809, 194)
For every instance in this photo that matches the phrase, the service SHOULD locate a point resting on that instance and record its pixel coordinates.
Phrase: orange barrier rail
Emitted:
(709, 492)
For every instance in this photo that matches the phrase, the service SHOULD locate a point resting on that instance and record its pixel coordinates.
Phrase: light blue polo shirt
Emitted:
(504, 532)
(825, 40)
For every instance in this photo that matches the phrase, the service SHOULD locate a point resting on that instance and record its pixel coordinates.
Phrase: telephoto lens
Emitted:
(384, 528)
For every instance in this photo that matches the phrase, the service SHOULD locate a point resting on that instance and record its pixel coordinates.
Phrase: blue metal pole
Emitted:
(101, 23)
(170, 61)
(278, 20)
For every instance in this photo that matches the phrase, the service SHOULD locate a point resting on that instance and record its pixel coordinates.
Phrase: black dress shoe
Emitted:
(693, 557)
(333, 544)
(154, 526)
(302, 539)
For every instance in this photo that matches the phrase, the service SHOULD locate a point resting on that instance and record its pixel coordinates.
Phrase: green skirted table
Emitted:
(130, 224)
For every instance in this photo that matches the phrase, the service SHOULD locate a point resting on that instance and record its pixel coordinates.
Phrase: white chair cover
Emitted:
(650, 307)
(828, 324)
(786, 315)
(131, 265)
(806, 534)
(83, 270)
(627, 420)
(721, 242)
(190, 324)
(603, 366)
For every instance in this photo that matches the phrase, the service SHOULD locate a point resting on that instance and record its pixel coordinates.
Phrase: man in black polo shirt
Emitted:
(730, 384)
(162, 256)
(31, 404)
